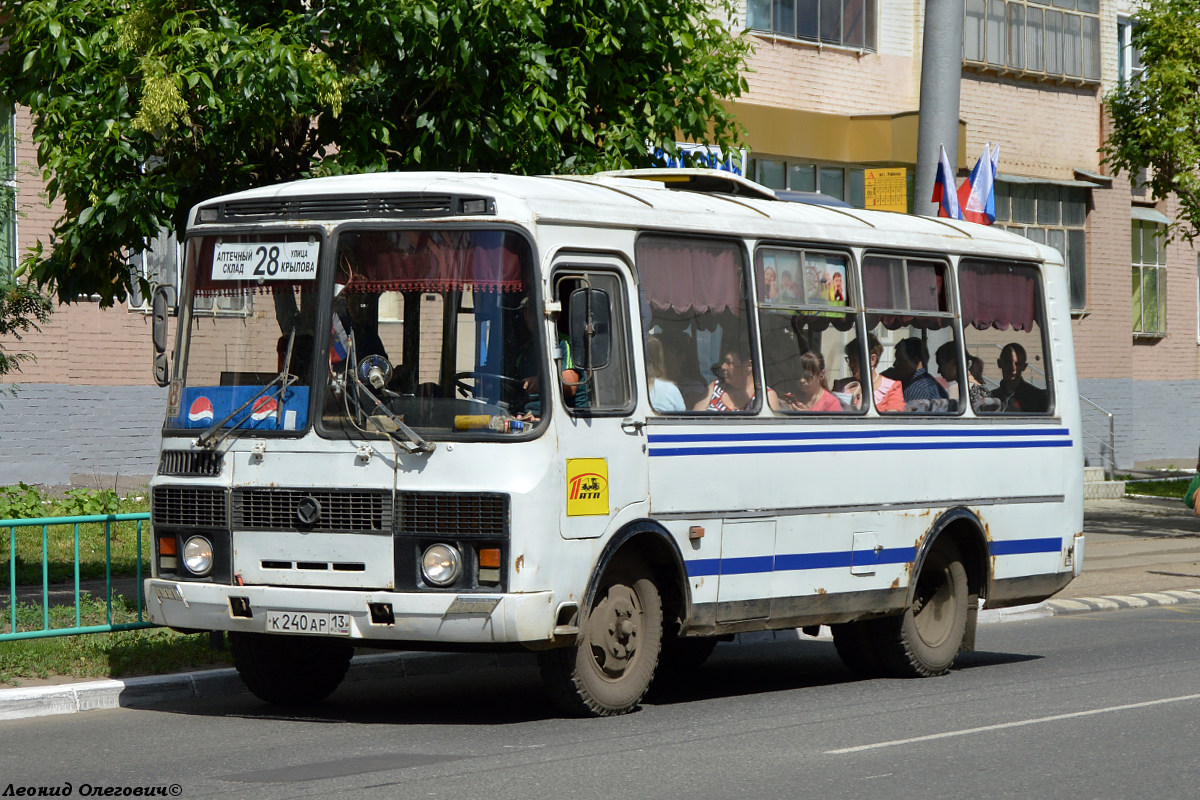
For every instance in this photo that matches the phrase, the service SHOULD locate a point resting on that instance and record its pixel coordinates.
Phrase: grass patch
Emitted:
(98, 542)
(1170, 487)
(152, 651)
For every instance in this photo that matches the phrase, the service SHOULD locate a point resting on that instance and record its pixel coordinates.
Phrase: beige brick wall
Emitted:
(801, 75)
(81, 344)
(1103, 336)
(1043, 130)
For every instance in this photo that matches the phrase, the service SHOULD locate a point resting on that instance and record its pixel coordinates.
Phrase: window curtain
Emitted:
(684, 275)
(997, 295)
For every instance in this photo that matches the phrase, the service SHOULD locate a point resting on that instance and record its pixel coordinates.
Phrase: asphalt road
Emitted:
(1101, 705)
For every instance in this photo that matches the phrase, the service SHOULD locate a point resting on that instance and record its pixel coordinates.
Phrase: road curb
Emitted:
(72, 698)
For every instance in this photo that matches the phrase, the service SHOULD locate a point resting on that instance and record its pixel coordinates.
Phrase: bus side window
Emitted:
(1004, 324)
(910, 316)
(609, 388)
(694, 293)
(807, 318)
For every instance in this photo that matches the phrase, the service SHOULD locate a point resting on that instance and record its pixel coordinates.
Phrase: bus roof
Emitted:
(643, 200)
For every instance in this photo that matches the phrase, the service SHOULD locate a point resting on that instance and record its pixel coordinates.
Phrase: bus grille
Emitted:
(188, 507)
(190, 462)
(453, 513)
(276, 510)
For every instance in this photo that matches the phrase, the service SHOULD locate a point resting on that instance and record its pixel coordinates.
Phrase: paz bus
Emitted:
(608, 419)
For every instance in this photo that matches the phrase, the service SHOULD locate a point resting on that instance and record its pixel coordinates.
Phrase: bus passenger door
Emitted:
(601, 449)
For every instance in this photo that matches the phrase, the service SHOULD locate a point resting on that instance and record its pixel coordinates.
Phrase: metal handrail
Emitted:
(1111, 459)
(45, 523)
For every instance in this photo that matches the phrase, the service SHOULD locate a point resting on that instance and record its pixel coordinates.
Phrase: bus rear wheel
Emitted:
(856, 645)
(925, 640)
(290, 670)
(612, 663)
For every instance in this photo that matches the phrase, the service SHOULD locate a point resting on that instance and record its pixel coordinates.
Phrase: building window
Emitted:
(836, 180)
(1129, 57)
(8, 192)
(849, 23)
(1026, 37)
(1050, 214)
(1149, 278)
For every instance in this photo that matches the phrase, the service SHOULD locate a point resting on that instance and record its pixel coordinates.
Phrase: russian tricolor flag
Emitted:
(943, 188)
(977, 195)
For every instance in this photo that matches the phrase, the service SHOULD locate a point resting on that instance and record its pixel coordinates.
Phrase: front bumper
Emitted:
(418, 617)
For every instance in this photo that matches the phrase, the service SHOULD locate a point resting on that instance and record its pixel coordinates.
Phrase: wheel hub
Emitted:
(613, 630)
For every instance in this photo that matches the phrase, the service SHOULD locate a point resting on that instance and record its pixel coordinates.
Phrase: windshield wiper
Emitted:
(415, 443)
(283, 380)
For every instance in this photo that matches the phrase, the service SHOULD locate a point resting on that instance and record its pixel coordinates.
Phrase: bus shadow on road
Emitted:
(513, 694)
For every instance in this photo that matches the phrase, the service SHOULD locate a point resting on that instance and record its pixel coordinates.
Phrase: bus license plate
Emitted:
(314, 622)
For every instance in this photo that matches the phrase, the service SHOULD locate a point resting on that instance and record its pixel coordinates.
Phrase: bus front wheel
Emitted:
(610, 667)
(924, 641)
(289, 670)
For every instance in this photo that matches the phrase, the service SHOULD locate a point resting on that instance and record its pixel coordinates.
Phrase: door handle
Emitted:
(632, 425)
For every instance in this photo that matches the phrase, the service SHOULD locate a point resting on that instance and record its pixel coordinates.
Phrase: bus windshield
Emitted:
(429, 330)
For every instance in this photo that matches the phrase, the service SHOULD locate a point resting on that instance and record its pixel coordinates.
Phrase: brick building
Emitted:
(834, 92)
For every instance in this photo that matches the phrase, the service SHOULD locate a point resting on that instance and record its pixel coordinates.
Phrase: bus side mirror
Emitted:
(159, 310)
(591, 328)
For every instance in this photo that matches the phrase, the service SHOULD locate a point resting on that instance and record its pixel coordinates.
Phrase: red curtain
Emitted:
(434, 261)
(684, 275)
(998, 295)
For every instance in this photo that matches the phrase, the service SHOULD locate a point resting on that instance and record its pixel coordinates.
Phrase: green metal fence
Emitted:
(26, 594)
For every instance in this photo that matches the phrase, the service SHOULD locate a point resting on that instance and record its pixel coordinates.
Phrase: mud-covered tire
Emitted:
(856, 645)
(925, 640)
(290, 670)
(612, 663)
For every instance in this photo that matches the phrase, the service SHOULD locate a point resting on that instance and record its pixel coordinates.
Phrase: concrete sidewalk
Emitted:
(1138, 553)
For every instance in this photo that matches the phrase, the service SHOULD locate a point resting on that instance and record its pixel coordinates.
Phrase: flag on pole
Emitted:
(943, 188)
(977, 196)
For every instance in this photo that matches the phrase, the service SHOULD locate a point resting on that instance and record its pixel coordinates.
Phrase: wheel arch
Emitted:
(963, 527)
(648, 543)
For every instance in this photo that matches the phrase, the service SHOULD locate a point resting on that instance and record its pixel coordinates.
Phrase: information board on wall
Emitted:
(886, 189)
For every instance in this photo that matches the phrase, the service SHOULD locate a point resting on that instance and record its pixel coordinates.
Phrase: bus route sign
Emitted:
(265, 261)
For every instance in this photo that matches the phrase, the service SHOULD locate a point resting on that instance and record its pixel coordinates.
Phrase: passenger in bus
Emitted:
(887, 393)
(782, 348)
(947, 361)
(1015, 394)
(664, 395)
(813, 393)
(921, 390)
(734, 389)
(573, 381)
(355, 320)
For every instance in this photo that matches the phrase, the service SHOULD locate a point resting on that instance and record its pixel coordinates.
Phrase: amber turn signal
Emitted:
(489, 557)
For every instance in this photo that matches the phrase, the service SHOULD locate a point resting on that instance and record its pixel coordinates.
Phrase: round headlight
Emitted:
(441, 565)
(198, 555)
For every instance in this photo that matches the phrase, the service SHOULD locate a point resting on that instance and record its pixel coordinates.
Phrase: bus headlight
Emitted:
(441, 564)
(198, 555)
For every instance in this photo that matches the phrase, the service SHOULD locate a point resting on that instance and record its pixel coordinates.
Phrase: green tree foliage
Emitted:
(1156, 118)
(144, 108)
(21, 310)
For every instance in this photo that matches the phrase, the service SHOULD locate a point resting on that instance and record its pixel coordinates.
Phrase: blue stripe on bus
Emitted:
(794, 562)
(893, 433)
(845, 448)
(1022, 546)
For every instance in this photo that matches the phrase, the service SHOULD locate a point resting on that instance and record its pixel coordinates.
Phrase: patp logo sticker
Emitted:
(587, 487)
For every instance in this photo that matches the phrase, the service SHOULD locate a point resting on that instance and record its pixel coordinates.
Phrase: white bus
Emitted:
(610, 419)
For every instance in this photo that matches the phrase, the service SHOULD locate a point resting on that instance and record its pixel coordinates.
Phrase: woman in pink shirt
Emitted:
(812, 392)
